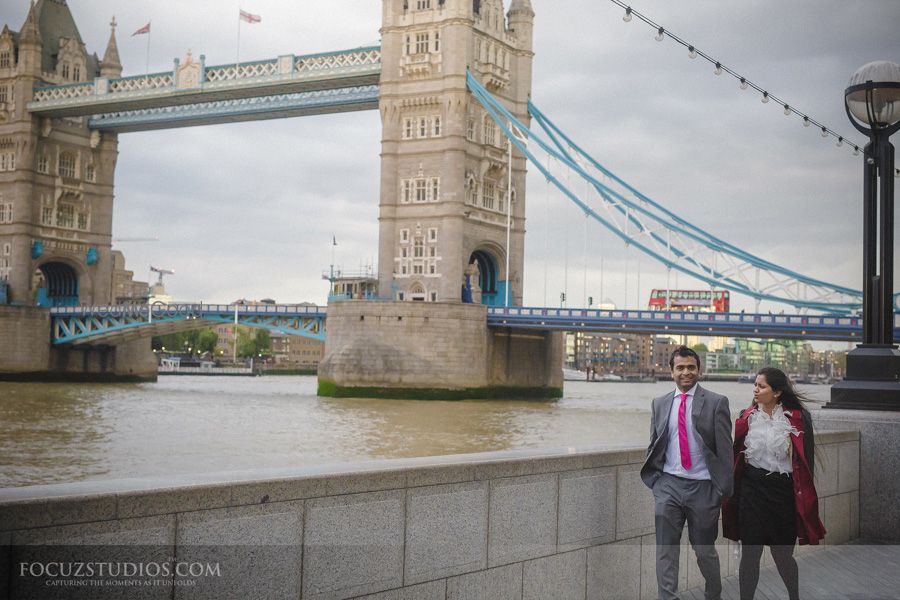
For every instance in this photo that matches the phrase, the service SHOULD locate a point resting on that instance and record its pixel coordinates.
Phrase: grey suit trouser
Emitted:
(697, 502)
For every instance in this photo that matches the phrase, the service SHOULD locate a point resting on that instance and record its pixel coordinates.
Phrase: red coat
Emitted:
(809, 528)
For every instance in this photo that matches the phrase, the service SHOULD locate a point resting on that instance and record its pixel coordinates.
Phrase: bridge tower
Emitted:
(444, 164)
(56, 175)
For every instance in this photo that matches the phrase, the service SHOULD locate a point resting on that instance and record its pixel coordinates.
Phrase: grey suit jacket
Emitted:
(712, 424)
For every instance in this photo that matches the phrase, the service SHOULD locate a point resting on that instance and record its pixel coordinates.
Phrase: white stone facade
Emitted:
(56, 176)
(444, 169)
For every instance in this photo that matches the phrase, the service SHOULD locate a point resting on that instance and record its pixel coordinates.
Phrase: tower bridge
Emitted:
(452, 81)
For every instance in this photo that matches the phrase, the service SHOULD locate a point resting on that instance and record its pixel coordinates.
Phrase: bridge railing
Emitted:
(103, 90)
(138, 310)
(652, 315)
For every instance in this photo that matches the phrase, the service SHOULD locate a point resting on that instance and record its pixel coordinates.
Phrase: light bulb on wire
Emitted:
(627, 16)
(692, 53)
(840, 142)
(787, 110)
(765, 97)
(743, 83)
(824, 132)
(855, 150)
(718, 70)
(660, 34)
(806, 121)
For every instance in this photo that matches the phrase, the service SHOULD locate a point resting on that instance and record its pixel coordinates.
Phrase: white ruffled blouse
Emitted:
(768, 442)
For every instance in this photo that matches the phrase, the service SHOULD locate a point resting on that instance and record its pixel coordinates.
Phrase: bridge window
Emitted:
(6, 213)
(65, 216)
(7, 161)
(472, 195)
(408, 46)
(422, 43)
(489, 130)
(470, 130)
(423, 4)
(436, 126)
(432, 234)
(76, 73)
(4, 94)
(419, 248)
(43, 164)
(47, 215)
(406, 191)
(435, 189)
(404, 236)
(67, 165)
(408, 129)
(82, 221)
(404, 252)
(423, 127)
(4, 59)
(437, 41)
(65, 70)
(90, 173)
(421, 191)
(487, 197)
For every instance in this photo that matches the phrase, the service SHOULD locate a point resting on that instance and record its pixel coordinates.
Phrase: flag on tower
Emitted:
(250, 18)
(142, 30)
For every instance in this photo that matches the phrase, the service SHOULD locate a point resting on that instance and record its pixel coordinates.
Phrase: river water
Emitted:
(53, 433)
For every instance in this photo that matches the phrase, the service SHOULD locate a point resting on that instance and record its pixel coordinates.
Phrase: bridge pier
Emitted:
(27, 355)
(433, 350)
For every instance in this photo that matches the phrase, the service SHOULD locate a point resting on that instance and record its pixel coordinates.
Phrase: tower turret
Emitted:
(111, 66)
(30, 46)
(521, 22)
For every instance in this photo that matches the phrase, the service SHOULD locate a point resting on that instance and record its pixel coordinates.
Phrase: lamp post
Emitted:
(872, 381)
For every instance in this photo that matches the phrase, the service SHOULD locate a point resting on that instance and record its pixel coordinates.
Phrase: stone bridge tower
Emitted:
(444, 165)
(56, 175)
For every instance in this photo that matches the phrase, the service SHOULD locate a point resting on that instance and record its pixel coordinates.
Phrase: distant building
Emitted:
(294, 351)
(125, 289)
(287, 350)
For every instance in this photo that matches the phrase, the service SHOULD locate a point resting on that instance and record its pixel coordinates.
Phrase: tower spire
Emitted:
(111, 66)
(30, 34)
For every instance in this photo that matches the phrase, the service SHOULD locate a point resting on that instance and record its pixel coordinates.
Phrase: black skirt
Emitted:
(767, 512)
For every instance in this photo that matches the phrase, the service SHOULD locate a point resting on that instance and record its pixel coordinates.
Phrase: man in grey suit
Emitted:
(689, 468)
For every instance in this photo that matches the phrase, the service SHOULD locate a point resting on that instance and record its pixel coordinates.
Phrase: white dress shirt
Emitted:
(768, 442)
(673, 465)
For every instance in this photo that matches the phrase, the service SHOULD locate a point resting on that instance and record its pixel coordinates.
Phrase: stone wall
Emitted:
(878, 456)
(24, 339)
(392, 349)
(529, 524)
(26, 353)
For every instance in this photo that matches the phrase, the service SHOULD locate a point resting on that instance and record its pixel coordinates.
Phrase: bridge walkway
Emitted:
(855, 571)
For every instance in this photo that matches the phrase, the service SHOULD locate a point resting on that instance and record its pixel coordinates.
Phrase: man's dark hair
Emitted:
(684, 352)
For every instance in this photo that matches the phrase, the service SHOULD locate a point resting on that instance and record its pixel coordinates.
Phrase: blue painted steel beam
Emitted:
(115, 324)
(102, 324)
(805, 327)
(249, 109)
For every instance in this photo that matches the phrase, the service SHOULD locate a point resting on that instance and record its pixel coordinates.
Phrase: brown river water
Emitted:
(55, 433)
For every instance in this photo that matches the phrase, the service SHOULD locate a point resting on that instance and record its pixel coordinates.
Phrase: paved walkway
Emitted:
(857, 571)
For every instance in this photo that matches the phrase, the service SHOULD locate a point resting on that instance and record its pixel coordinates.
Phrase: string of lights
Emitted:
(765, 96)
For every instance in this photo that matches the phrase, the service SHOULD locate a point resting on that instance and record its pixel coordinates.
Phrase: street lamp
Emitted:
(872, 381)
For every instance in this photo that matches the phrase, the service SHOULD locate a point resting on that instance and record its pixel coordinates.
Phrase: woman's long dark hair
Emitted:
(779, 382)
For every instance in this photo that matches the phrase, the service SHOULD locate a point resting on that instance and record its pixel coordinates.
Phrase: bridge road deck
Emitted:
(855, 571)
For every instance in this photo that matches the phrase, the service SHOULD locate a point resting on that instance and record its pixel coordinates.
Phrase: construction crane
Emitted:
(161, 273)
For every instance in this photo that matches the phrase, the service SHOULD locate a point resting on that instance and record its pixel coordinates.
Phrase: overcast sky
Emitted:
(248, 210)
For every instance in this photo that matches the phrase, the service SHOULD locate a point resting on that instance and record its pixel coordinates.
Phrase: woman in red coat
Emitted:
(774, 502)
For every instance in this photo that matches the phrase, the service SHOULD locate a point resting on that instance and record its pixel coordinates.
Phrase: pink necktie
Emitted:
(682, 434)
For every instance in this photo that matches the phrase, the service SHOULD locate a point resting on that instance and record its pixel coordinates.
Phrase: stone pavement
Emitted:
(856, 571)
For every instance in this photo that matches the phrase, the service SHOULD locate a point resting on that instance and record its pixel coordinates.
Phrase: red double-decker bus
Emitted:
(690, 300)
